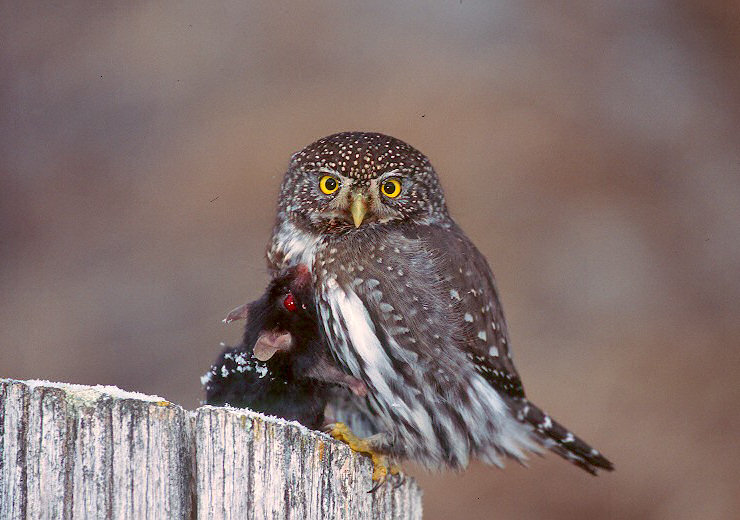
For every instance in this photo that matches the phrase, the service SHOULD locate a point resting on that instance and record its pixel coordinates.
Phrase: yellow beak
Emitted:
(358, 208)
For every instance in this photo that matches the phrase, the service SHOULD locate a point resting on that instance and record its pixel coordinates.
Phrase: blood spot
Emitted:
(289, 303)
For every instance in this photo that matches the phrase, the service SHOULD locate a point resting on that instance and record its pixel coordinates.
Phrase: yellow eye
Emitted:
(328, 184)
(391, 188)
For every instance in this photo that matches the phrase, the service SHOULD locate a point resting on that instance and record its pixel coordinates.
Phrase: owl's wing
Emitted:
(467, 272)
(473, 294)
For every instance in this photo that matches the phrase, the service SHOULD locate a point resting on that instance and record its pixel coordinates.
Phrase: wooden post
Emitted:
(73, 452)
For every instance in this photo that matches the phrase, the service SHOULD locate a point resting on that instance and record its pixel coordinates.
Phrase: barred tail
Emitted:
(558, 439)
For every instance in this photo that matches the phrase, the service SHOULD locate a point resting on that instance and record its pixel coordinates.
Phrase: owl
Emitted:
(408, 305)
(282, 367)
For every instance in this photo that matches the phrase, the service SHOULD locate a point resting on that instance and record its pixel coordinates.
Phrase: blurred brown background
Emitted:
(591, 149)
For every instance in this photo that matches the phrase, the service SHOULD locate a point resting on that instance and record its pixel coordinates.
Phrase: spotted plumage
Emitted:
(408, 305)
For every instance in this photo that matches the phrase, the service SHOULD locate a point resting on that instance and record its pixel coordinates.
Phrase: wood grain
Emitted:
(73, 452)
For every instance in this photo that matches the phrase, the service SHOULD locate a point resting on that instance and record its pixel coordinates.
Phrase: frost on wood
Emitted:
(71, 451)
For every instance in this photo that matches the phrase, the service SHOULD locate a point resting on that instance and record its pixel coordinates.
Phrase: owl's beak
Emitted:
(358, 208)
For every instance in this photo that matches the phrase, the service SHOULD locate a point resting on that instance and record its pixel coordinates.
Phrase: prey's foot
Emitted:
(383, 468)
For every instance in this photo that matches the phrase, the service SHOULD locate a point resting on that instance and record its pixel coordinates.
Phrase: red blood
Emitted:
(289, 302)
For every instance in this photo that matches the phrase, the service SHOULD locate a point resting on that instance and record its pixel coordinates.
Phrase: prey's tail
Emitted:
(554, 436)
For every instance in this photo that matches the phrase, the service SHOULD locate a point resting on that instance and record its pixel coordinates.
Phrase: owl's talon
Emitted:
(378, 484)
(382, 466)
(397, 476)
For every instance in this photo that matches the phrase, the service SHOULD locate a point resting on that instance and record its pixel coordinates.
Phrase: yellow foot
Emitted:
(382, 466)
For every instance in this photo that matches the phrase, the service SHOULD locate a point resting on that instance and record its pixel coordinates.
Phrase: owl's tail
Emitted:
(554, 436)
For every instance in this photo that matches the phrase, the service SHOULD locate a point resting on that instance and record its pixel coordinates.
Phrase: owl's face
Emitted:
(354, 179)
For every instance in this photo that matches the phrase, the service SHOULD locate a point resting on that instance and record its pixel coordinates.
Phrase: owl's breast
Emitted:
(383, 303)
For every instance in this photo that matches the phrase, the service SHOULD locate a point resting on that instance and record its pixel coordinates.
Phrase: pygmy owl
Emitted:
(409, 306)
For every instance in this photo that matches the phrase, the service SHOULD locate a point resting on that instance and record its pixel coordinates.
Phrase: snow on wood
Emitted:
(72, 451)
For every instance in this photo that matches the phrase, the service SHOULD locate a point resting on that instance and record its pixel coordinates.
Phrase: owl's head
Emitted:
(353, 179)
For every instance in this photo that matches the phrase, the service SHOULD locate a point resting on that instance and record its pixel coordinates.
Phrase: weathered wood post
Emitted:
(72, 452)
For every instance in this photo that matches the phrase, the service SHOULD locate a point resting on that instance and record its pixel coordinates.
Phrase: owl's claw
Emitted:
(397, 476)
(378, 483)
(382, 466)
(391, 473)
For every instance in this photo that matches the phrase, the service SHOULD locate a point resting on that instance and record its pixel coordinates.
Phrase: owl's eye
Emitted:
(328, 184)
(391, 188)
